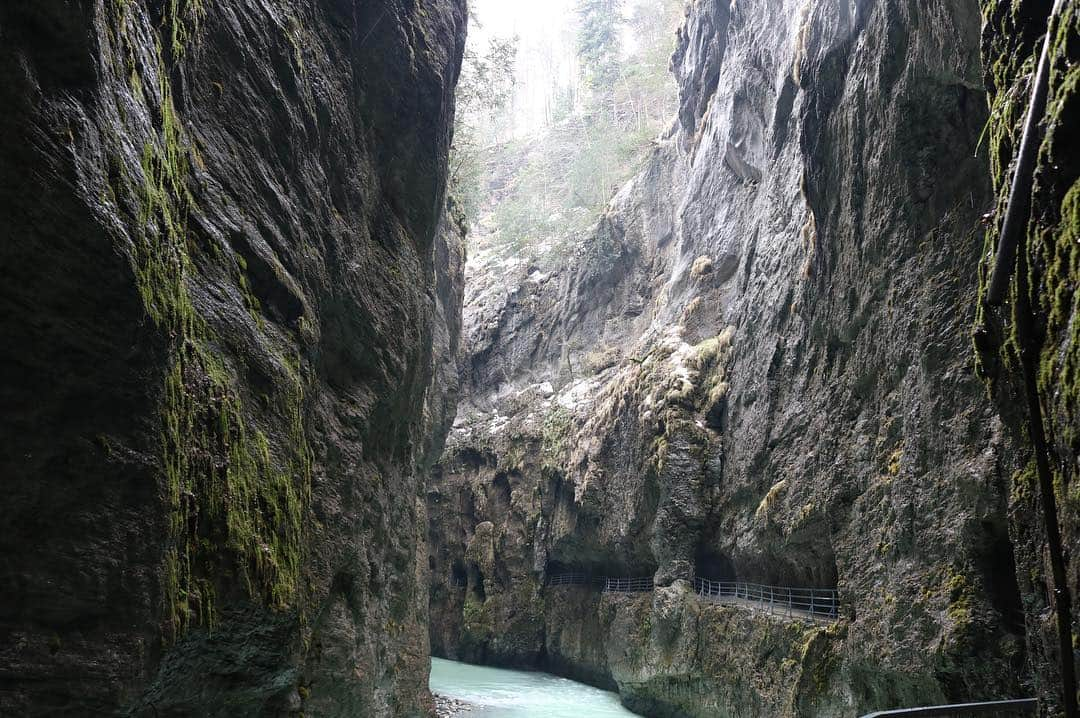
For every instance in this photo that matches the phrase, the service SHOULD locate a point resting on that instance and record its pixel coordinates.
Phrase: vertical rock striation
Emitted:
(757, 367)
(226, 295)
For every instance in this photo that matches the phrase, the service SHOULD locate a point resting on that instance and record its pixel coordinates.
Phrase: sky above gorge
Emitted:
(545, 32)
(546, 59)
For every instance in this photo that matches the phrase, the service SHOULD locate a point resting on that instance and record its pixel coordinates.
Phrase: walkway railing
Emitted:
(812, 602)
(995, 709)
(570, 579)
(628, 585)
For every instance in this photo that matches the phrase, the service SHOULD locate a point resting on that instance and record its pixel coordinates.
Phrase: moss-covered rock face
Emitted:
(229, 284)
(1038, 325)
(758, 365)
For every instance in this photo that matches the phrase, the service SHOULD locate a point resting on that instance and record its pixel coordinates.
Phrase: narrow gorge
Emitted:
(308, 377)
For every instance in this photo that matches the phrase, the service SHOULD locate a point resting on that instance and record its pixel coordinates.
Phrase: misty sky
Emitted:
(545, 30)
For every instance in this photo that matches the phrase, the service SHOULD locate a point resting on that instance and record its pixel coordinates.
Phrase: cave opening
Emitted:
(459, 577)
(501, 497)
(596, 570)
(996, 563)
(713, 565)
(555, 568)
(476, 584)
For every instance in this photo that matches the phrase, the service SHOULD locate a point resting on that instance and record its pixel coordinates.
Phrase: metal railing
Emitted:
(628, 585)
(570, 579)
(814, 603)
(994, 709)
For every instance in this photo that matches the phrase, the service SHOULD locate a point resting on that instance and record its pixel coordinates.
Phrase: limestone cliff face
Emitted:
(758, 366)
(1037, 327)
(227, 289)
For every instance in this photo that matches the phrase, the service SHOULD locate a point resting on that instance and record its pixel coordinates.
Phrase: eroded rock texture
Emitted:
(227, 289)
(757, 367)
(1037, 328)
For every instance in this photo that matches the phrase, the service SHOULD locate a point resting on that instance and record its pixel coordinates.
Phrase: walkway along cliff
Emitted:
(759, 368)
(227, 287)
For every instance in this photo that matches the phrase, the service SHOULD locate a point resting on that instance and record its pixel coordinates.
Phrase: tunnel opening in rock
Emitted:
(601, 564)
(554, 568)
(476, 584)
(805, 560)
(997, 564)
(713, 564)
(459, 577)
(502, 494)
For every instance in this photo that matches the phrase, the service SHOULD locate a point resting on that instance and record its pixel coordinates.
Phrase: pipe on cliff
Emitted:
(1017, 214)
(1062, 597)
(1018, 209)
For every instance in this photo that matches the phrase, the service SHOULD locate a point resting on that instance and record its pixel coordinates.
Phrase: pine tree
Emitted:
(599, 42)
(484, 95)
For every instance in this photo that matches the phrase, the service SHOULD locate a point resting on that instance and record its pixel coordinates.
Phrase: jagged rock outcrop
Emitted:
(758, 366)
(226, 296)
(1037, 328)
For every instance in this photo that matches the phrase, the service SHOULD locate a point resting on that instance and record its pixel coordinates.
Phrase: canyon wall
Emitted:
(1037, 330)
(759, 367)
(230, 300)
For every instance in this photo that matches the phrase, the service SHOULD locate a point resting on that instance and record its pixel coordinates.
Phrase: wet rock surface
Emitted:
(757, 366)
(1037, 324)
(228, 285)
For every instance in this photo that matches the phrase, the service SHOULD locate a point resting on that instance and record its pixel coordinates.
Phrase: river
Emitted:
(499, 693)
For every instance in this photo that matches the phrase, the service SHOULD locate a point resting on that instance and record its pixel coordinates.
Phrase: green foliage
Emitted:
(235, 501)
(599, 42)
(558, 427)
(549, 189)
(1048, 265)
(487, 79)
(561, 184)
(484, 93)
(185, 16)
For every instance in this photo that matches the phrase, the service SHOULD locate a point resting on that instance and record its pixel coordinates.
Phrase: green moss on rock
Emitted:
(237, 498)
(1038, 329)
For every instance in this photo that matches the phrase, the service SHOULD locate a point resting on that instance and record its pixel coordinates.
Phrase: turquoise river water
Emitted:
(498, 693)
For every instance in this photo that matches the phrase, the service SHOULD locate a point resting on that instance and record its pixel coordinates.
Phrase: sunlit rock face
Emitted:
(757, 366)
(228, 285)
